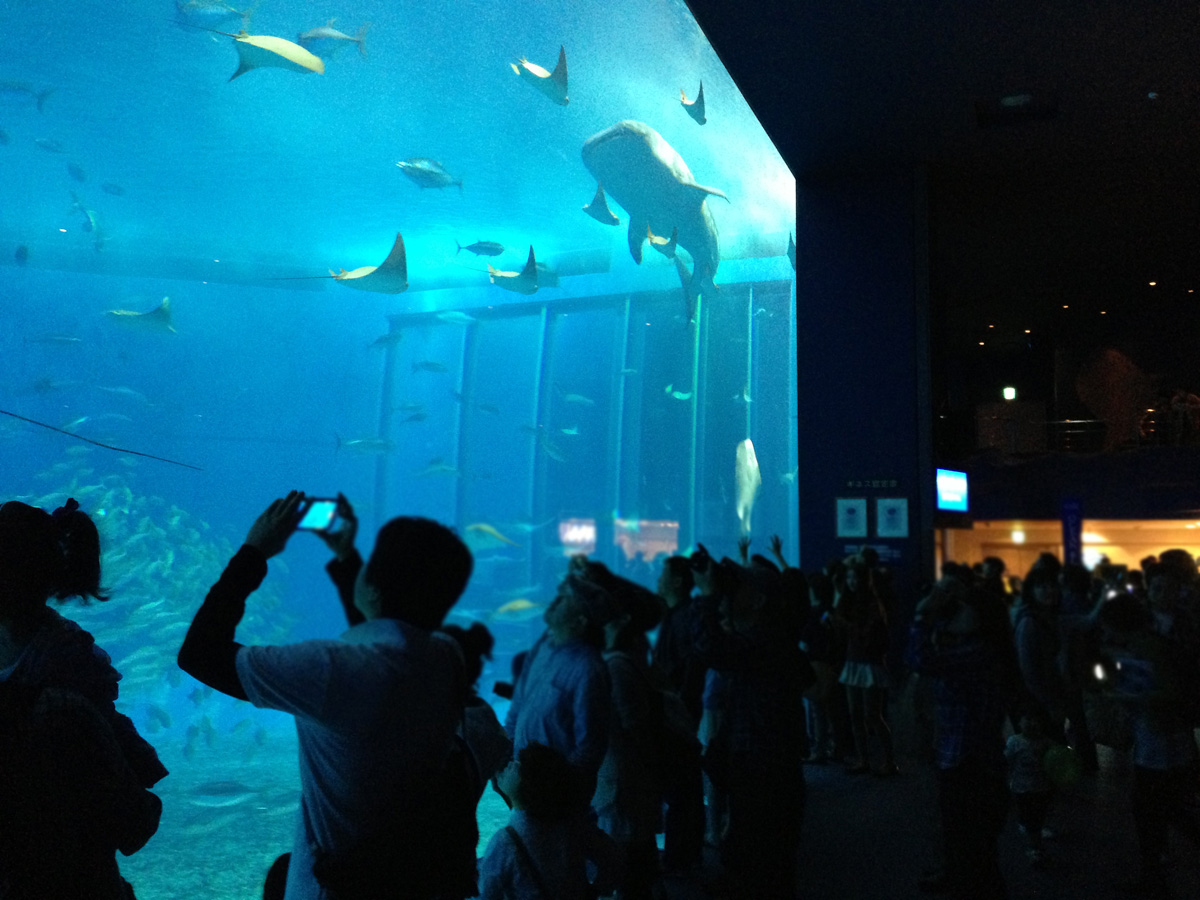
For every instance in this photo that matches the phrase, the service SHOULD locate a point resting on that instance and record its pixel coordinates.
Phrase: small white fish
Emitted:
(572, 431)
(681, 395)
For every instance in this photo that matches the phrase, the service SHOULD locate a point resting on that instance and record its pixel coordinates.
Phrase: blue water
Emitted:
(593, 401)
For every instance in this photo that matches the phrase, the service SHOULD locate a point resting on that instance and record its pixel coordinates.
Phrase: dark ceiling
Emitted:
(1081, 209)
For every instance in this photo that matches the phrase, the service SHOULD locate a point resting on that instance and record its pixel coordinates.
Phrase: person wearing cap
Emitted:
(563, 698)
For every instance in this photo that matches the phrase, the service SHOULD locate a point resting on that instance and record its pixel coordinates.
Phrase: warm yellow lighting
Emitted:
(1018, 536)
(1103, 312)
(1010, 393)
(1065, 306)
(1027, 331)
(1153, 283)
(1090, 537)
(991, 326)
(981, 343)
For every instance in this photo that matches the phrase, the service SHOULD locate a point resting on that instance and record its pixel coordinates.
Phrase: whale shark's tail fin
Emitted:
(698, 283)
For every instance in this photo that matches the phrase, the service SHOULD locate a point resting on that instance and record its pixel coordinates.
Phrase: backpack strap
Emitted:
(527, 861)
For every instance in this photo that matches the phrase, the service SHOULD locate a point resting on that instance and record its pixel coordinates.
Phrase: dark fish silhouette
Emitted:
(21, 255)
(481, 248)
(598, 208)
(24, 87)
(552, 84)
(76, 172)
(428, 173)
(115, 189)
(694, 108)
(428, 365)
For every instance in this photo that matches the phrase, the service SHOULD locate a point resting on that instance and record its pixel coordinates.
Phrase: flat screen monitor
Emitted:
(951, 490)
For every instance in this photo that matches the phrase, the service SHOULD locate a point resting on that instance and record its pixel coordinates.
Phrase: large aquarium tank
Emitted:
(377, 261)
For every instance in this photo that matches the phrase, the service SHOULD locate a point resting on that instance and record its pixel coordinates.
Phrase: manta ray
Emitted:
(158, 319)
(645, 174)
(523, 282)
(552, 84)
(389, 277)
(694, 108)
(259, 51)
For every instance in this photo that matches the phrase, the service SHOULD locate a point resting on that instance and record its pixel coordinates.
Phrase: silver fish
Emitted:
(428, 173)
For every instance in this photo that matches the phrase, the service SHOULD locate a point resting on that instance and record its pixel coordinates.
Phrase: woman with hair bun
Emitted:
(74, 773)
(46, 556)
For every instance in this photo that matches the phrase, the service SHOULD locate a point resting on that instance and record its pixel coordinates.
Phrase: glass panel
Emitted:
(590, 413)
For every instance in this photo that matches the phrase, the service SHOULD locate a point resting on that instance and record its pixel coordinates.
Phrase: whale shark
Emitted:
(646, 175)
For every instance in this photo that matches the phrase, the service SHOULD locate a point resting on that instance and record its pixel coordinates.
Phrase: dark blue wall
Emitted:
(864, 421)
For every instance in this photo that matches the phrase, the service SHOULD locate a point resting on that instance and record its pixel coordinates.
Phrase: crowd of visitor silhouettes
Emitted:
(689, 712)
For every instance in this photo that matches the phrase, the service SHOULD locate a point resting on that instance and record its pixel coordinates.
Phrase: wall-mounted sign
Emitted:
(891, 517)
(851, 517)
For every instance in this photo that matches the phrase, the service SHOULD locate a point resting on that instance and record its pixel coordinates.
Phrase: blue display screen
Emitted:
(951, 490)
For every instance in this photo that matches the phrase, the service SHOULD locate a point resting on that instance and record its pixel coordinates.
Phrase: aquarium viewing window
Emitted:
(428, 273)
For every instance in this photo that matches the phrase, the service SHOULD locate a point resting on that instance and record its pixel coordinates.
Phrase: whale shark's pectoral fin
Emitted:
(598, 208)
(636, 236)
(706, 191)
